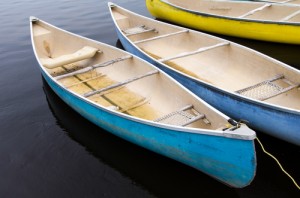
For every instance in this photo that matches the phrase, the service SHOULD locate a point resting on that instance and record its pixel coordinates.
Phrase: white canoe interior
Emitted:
(244, 10)
(117, 81)
(293, 2)
(218, 62)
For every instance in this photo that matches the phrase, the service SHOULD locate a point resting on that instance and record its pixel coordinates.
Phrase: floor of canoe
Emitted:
(288, 99)
(120, 99)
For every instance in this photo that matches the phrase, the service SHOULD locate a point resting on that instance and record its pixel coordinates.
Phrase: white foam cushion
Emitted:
(84, 53)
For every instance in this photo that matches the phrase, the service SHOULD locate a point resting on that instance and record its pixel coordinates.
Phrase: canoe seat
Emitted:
(181, 117)
(268, 88)
(138, 30)
(84, 53)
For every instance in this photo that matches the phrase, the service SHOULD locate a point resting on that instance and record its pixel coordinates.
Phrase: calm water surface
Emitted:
(48, 150)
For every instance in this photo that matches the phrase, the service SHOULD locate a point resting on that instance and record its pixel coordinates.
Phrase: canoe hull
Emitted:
(232, 161)
(271, 120)
(250, 29)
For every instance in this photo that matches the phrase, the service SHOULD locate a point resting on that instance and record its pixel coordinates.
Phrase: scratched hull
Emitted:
(273, 120)
(258, 29)
(226, 155)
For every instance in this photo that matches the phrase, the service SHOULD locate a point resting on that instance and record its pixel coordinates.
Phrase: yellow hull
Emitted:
(258, 30)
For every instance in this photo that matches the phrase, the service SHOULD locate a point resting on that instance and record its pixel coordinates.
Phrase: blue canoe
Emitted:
(136, 101)
(238, 81)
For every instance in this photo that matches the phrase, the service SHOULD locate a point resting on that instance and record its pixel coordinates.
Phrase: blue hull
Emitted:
(280, 123)
(231, 161)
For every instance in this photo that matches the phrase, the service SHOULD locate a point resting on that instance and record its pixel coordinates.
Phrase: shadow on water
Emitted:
(161, 176)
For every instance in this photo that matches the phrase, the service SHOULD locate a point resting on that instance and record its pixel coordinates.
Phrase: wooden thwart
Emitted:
(137, 30)
(255, 10)
(89, 68)
(120, 83)
(181, 117)
(161, 36)
(202, 49)
(267, 89)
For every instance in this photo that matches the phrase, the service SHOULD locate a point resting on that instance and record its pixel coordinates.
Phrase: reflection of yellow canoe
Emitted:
(253, 20)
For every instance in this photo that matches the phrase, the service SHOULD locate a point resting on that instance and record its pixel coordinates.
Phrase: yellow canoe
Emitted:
(251, 20)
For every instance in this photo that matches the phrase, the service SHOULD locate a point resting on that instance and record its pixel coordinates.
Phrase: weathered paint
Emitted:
(273, 120)
(232, 161)
(281, 32)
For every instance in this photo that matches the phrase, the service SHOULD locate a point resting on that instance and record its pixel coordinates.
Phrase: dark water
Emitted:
(48, 150)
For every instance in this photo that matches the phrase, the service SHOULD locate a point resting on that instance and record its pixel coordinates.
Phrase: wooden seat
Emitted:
(267, 89)
(84, 53)
(181, 117)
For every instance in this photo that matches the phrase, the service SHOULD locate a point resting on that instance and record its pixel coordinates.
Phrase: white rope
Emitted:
(284, 171)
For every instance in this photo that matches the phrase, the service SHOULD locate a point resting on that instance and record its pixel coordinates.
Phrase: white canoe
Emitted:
(238, 81)
(138, 102)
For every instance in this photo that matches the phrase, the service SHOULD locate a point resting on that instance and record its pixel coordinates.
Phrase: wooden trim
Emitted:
(120, 83)
(161, 36)
(202, 49)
